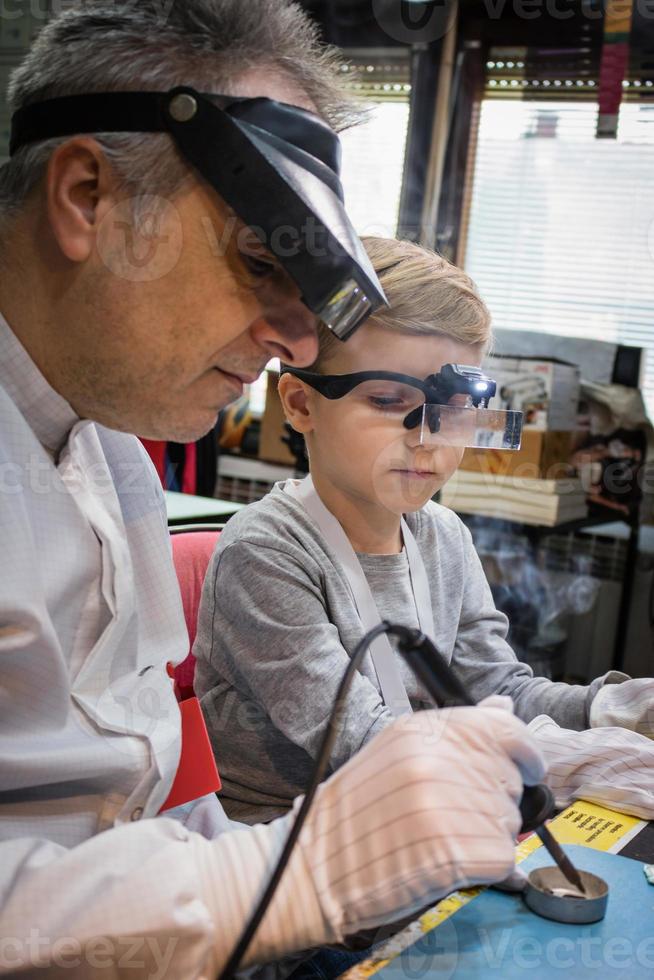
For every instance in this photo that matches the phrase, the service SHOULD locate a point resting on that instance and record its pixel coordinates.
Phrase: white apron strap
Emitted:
(383, 656)
(419, 582)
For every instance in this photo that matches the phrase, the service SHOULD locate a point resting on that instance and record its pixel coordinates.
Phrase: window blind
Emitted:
(373, 152)
(561, 224)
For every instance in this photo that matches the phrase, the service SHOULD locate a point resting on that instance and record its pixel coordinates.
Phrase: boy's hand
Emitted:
(626, 705)
(610, 766)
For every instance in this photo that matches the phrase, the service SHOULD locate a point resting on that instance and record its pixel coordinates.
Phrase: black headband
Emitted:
(276, 165)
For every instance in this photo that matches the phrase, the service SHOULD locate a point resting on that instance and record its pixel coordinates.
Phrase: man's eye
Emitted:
(259, 266)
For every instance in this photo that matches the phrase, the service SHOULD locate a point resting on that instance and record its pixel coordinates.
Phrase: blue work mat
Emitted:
(496, 935)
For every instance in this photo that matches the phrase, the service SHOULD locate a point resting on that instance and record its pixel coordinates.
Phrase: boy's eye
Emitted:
(387, 402)
(389, 396)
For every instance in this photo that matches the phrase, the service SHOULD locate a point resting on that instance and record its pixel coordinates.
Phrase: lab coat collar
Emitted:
(49, 415)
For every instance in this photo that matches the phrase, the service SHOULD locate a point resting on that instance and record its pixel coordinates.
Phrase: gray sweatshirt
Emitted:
(277, 625)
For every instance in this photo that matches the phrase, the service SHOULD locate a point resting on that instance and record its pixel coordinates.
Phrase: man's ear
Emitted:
(297, 402)
(79, 187)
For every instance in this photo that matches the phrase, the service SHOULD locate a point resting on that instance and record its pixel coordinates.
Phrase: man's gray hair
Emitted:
(99, 45)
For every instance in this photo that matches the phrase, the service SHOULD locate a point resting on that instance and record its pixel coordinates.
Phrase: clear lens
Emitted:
(346, 310)
(388, 398)
(478, 428)
(439, 425)
(460, 401)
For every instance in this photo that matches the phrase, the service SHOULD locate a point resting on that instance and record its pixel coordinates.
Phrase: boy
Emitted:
(323, 560)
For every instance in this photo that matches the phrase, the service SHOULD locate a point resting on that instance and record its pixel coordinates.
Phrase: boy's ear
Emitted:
(296, 402)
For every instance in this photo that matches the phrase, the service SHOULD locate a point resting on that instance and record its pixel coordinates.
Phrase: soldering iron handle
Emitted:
(536, 806)
(537, 803)
(433, 670)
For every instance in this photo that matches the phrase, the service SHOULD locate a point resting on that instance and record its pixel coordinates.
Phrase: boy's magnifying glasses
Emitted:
(450, 407)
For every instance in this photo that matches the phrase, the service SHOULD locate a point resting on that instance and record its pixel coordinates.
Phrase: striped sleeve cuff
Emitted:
(233, 871)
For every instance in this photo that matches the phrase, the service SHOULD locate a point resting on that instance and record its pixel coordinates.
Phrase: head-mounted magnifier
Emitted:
(276, 165)
(450, 407)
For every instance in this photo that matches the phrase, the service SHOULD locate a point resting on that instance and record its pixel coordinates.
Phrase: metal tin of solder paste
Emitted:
(539, 898)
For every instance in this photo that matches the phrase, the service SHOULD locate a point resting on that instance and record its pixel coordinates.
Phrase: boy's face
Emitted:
(363, 448)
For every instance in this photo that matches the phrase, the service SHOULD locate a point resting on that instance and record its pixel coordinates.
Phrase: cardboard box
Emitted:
(543, 455)
(546, 390)
(271, 447)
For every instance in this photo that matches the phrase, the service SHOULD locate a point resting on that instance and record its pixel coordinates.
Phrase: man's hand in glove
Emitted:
(428, 806)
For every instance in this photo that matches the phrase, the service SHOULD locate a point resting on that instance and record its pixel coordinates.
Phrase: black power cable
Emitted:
(316, 778)
(536, 806)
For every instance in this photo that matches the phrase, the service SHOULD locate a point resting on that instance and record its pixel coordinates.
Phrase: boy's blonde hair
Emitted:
(426, 293)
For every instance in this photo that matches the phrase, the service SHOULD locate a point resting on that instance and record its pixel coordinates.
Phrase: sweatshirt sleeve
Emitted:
(280, 649)
(487, 665)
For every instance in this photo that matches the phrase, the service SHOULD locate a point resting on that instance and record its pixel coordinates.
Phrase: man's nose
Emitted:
(288, 331)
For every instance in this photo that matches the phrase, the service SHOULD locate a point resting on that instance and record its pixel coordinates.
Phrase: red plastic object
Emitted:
(197, 773)
(191, 554)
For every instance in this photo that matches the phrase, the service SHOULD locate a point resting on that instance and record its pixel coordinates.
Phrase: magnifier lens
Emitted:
(460, 401)
(346, 310)
(475, 428)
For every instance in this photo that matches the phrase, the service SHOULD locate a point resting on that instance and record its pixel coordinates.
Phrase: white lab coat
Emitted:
(90, 614)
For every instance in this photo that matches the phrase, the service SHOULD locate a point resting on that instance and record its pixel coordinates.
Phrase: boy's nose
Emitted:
(432, 451)
(418, 435)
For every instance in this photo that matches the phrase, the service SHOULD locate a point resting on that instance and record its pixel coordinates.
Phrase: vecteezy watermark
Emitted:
(42, 10)
(424, 21)
(149, 955)
(141, 240)
(233, 713)
(37, 476)
(38, 10)
(617, 478)
(437, 953)
(565, 952)
(413, 22)
(283, 241)
(564, 9)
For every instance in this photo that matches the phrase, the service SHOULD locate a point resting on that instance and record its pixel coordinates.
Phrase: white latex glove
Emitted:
(516, 882)
(609, 766)
(429, 806)
(626, 705)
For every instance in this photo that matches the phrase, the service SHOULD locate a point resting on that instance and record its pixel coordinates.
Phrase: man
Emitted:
(132, 302)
